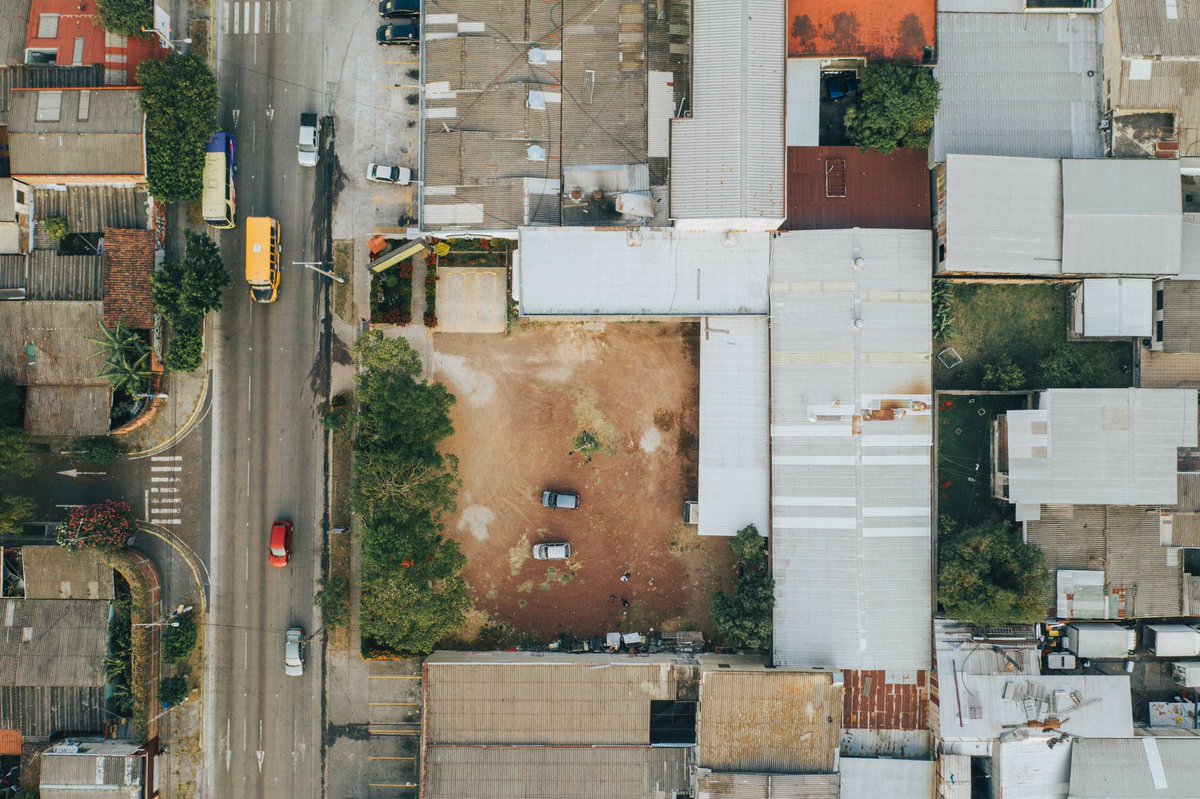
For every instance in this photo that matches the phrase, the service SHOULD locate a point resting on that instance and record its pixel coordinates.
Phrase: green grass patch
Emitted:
(965, 455)
(1027, 323)
(343, 293)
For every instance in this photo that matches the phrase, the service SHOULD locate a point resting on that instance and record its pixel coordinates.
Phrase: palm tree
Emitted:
(126, 359)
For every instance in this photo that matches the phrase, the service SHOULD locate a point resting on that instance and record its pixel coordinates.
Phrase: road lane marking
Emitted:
(146, 496)
(277, 4)
(169, 521)
(228, 750)
(257, 12)
(260, 754)
(288, 17)
(237, 18)
(247, 561)
(161, 501)
(246, 17)
(267, 18)
(166, 457)
(224, 10)
(163, 511)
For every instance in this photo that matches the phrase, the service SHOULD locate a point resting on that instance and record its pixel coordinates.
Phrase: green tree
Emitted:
(411, 617)
(988, 576)
(334, 601)
(172, 690)
(1003, 374)
(15, 457)
(180, 100)
(185, 351)
(178, 642)
(184, 291)
(386, 481)
(15, 513)
(896, 106)
(56, 227)
(743, 619)
(126, 17)
(104, 450)
(1067, 367)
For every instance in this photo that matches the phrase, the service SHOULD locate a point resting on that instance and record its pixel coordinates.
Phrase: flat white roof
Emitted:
(1118, 306)
(803, 102)
(864, 777)
(735, 469)
(1102, 446)
(851, 432)
(583, 271)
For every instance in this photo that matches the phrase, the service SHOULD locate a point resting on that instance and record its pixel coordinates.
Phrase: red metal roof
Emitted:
(79, 39)
(897, 30)
(830, 188)
(872, 703)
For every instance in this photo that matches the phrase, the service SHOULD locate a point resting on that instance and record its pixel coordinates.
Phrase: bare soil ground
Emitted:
(523, 400)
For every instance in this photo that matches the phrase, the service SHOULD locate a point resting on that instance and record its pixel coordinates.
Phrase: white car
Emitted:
(293, 652)
(309, 137)
(386, 173)
(551, 551)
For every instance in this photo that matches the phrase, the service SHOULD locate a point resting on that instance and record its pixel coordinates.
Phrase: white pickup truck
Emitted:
(309, 138)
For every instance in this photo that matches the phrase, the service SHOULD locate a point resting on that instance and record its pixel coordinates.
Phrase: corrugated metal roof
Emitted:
(1143, 768)
(954, 776)
(52, 572)
(1091, 446)
(1181, 316)
(977, 710)
(1026, 767)
(87, 776)
(727, 161)
(768, 721)
(106, 140)
(850, 448)
(734, 487)
(631, 772)
(803, 102)
(1189, 266)
(880, 31)
(1121, 540)
(68, 410)
(78, 278)
(560, 699)
(52, 642)
(15, 14)
(1121, 216)
(39, 712)
(843, 187)
(869, 778)
(1172, 86)
(767, 786)
(577, 271)
(1003, 215)
(1147, 28)
(59, 332)
(1033, 70)
(1118, 307)
(91, 209)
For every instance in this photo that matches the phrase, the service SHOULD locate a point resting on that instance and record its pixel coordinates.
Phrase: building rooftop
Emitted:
(864, 777)
(91, 209)
(69, 32)
(46, 642)
(1026, 766)
(878, 31)
(768, 720)
(90, 769)
(52, 572)
(1181, 316)
(727, 160)
(128, 267)
(1139, 768)
(1119, 306)
(850, 448)
(767, 786)
(1150, 28)
(1034, 71)
(577, 272)
(734, 485)
(1120, 540)
(843, 187)
(12, 33)
(1100, 446)
(76, 132)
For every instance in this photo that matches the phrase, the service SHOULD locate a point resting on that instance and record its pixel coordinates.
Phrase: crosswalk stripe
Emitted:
(157, 490)
(288, 15)
(224, 18)
(257, 10)
(166, 458)
(169, 521)
(164, 479)
(246, 17)
(162, 501)
(166, 468)
(267, 18)
(161, 511)
(237, 17)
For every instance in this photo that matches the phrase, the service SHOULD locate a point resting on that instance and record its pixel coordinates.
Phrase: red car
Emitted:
(281, 544)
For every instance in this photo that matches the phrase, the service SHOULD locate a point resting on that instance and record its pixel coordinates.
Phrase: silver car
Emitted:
(551, 551)
(561, 500)
(293, 652)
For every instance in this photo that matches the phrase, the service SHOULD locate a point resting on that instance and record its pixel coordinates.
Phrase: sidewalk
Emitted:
(172, 418)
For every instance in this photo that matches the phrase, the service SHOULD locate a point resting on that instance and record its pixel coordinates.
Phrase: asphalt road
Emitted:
(266, 455)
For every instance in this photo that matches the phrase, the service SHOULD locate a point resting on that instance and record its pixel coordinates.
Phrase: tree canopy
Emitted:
(743, 619)
(988, 576)
(181, 103)
(15, 513)
(126, 17)
(896, 106)
(15, 457)
(184, 291)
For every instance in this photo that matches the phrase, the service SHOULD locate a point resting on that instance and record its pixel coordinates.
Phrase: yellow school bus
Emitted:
(262, 258)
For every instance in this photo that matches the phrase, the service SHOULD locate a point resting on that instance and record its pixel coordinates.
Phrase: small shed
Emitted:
(1116, 307)
(1172, 640)
(1102, 640)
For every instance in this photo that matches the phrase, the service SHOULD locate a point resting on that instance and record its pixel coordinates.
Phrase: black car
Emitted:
(399, 8)
(398, 33)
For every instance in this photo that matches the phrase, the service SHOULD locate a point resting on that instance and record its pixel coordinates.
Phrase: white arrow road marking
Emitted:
(228, 751)
(260, 753)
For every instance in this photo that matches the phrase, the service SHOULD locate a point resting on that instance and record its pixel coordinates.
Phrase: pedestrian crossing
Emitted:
(256, 17)
(163, 503)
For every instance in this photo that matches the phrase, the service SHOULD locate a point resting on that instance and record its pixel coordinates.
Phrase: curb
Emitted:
(188, 426)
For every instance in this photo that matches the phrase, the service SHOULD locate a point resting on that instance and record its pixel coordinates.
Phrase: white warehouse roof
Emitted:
(865, 777)
(1120, 306)
(583, 271)
(1100, 446)
(735, 469)
(1138, 768)
(851, 430)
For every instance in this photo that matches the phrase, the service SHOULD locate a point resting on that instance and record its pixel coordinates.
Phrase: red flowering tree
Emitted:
(106, 526)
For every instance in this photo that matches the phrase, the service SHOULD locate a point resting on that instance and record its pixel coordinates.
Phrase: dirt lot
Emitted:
(523, 401)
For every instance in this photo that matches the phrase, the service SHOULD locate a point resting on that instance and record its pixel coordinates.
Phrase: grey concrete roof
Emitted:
(102, 768)
(1147, 28)
(52, 572)
(851, 435)
(104, 139)
(1134, 768)
(53, 642)
(15, 14)
(1033, 71)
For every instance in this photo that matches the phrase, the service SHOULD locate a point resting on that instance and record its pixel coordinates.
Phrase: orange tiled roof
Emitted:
(10, 742)
(897, 30)
(128, 265)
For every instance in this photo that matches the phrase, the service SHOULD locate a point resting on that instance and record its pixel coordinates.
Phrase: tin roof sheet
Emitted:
(569, 271)
(767, 786)
(1118, 307)
(843, 187)
(1181, 316)
(53, 642)
(1033, 70)
(104, 140)
(52, 572)
(1140, 768)
(867, 778)
(878, 31)
(1155, 27)
(1100, 446)
(850, 448)
(734, 487)
(1024, 766)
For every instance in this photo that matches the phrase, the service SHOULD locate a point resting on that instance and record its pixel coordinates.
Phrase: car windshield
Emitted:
(260, 294)
(278, 551)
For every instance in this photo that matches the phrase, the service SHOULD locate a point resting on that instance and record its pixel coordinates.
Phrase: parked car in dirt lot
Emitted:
(389, 9)
(560, 499)
(551, 551)
(398, 33)
(293, 652)
(386, 173)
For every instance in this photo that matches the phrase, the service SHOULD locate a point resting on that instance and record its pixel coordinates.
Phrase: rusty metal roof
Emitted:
(896, 31)
(832, 188)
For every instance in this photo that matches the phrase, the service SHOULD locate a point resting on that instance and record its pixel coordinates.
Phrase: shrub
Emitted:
(57, 227)
(104, 450)
(441, 249)
(106, 526)
(185, 351)
(743, 619)
(126, 17)
(1067, 367)
(172, 690)
(896, 107)
(334, 601)
(1002, 374)
(943, 322)
(178, 642)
